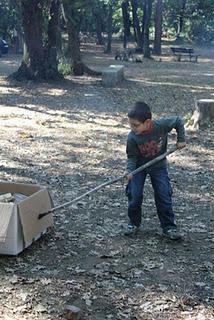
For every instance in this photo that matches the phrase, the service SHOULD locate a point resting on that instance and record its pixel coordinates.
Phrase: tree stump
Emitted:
(72, 313)
(202, 116)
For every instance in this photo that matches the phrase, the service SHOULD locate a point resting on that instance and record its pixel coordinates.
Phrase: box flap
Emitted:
(29, 210)
(26, 189)
(6, 211)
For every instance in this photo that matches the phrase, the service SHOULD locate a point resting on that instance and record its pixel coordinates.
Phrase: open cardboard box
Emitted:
(19, 223)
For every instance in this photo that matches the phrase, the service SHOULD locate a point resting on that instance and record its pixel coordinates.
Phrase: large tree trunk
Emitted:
(147, 19)
(110, 13)
(158, 27)
(136, 25)
(32, 25)
(35, 64)
(126, 22)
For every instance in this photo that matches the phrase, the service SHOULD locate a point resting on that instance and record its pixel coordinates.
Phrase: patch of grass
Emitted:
(64, 68)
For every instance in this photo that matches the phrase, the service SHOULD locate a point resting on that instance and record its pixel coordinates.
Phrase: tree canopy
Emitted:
(41, 23)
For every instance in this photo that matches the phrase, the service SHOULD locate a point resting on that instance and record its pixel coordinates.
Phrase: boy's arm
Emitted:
(177, 124)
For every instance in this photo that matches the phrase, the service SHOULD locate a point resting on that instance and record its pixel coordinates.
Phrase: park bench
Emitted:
(185, 52)
(113, 75)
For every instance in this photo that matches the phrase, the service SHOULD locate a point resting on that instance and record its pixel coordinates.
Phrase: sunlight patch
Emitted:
(55, 92)
(9, 90)
(89, 94)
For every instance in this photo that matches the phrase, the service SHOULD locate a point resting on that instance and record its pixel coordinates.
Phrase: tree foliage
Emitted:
(197, 16)
(143, 21)
(192, 19)
(10, 17)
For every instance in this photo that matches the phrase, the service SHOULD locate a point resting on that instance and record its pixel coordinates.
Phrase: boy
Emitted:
(146, 141)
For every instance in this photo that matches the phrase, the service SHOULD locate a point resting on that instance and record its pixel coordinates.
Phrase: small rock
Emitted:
(14, 279)
(72, 313)
(200, 317)
(200, 284)
(116, 204)
(40, 308)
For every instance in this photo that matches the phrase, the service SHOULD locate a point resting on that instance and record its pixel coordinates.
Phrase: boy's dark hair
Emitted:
(141, 111)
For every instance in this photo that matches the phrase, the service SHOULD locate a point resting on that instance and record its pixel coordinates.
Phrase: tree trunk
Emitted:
(158, 27)
(143, 20)
(32, 25)
(147, 19)
(181, 19)
(73, 40)
(77, 65)
(53, 40)
(136, 25)
(53, 24)
(99, 27)
(126, 22)
(38, 62)
(110, 13)
(74, 49)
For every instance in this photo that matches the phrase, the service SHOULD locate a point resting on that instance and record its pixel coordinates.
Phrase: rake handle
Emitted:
(141, 168)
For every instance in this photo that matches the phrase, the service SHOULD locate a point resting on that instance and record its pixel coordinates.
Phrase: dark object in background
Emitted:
(3, 47)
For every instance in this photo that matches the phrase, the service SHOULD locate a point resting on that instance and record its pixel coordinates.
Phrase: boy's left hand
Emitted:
(129, 176)
(181, 145)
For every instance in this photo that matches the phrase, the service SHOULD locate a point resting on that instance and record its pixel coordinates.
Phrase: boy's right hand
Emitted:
(181, 145)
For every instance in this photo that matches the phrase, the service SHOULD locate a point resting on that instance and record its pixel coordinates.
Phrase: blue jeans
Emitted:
(162, 194)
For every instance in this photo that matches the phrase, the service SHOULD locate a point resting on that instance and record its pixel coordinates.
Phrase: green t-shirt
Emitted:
(142, 148)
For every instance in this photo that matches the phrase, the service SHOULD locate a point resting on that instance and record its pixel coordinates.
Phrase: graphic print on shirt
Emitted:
(151, 148)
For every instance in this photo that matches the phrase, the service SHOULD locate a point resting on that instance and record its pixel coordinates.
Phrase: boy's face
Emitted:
(139, 127)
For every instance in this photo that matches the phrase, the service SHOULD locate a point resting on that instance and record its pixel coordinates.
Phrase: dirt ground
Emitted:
(70, 136)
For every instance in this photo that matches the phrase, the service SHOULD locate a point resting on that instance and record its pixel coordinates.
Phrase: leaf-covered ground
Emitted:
(70, 136)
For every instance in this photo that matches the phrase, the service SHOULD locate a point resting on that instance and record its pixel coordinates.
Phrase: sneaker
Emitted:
(131, 230)
(172, 234)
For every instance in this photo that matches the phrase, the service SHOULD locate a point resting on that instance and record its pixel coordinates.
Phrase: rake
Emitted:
(108, 183)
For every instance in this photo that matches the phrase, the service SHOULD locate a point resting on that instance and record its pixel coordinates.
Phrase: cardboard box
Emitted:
(19, 223)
